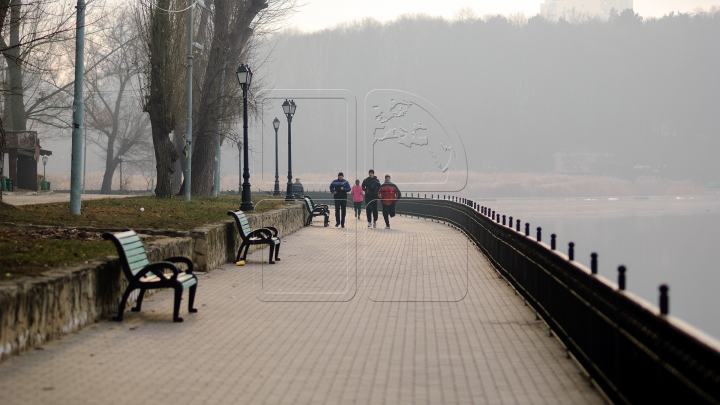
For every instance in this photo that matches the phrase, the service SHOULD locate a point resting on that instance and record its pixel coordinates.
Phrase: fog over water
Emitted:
(671, 240)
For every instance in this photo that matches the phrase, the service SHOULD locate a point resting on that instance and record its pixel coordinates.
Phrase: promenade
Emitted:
(410, 315)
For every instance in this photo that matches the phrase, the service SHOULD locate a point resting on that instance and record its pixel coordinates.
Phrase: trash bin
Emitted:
(43, 185)
(48, 185)
(9, 184)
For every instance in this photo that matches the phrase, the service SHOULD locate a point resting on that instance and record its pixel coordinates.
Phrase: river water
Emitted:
(670, 240)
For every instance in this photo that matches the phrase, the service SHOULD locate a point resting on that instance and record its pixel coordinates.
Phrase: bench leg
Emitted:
(244, 255)
(191, 299)
(327, 219)
(123, 302)
(138, 304)
(239, 253)
(176, 307)
(272, 250)
(277, 251)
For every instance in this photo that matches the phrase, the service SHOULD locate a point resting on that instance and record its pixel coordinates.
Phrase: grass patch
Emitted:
(157, 213)
(31, 252)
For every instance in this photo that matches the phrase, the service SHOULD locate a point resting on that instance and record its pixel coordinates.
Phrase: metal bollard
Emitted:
(593, 263)
(493, 215)
(425, 195)
(510, 222)
(539, 234)
(571, 251)
(621, 278)
(552, 241)
(518, 226)
(432, 196)
(527, 229)
(503, 219)
(664, 300)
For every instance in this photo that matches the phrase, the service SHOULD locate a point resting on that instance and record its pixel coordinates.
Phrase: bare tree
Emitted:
(164, 74)
(227, 38)
(115, 123)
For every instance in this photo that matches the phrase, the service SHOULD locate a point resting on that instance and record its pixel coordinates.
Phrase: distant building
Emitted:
(575, 9)
(583, 162)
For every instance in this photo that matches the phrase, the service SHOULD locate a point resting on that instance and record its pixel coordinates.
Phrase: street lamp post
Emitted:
(239, 144)
(276, 125)
(120, 159)
(44, 160)
(244, 75)
(289, 110)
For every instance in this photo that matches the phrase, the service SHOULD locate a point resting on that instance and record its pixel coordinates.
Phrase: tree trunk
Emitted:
(110, 166)
(159, 104)
(12, 57)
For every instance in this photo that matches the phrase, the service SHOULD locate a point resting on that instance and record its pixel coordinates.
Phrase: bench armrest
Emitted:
(272, 229)
(151, 268)
(262, 233)
(181, 259)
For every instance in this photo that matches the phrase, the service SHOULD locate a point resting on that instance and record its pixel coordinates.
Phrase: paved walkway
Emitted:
(421, 319)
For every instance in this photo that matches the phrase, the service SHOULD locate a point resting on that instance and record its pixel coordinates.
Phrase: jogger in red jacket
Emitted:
(389, 194)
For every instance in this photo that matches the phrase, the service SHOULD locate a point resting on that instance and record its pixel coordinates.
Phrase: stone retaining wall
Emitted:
(36, 310)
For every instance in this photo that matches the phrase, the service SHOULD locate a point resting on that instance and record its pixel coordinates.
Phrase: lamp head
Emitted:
(276, 123)
(289, 107)
(44, 159)
(244, 75)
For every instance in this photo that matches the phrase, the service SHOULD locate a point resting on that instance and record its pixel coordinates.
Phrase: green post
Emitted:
(78, 113)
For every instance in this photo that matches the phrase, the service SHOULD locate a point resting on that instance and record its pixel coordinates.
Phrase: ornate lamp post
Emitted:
(43, 185)
(276, 125)
(244, 75)
(289, 110)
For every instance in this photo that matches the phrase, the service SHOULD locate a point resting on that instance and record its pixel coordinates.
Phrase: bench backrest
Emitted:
(309, 203)
(242, 223)
(131, 251)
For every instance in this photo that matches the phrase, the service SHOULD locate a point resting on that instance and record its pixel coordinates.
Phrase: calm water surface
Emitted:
(671, 240)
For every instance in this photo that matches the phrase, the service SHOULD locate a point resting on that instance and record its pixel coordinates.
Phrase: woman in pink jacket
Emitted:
(357, 193)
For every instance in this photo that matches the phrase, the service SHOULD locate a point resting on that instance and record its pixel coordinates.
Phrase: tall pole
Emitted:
(289, 195)
(153, 171)
(246, 204)
(218, 138)
(239, 166)
(78, 112)
(84, 163)
(188, 139)
(276, 191)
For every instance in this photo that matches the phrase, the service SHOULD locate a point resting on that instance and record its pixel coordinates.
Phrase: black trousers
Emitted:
(371, 210)
(340, 205)
(357, 206)
(388, 211)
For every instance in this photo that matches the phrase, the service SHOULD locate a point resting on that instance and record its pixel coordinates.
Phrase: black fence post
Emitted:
(593, 263)
(510, 222)
(552, 241)
(571, 251)
(493, 215)
(664, 300)
(539, 234)
(621, 278)
(518, 226)
(527, 229)
(503, 219)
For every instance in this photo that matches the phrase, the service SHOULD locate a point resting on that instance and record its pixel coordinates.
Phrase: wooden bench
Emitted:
(143, 275)
(316, 210)
(261, 236)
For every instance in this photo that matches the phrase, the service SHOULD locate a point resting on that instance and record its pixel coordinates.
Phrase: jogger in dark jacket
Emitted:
(370, 186)
(340, 188)
(389, 194)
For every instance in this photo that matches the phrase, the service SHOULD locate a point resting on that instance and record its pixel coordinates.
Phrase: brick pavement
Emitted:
(414, 315)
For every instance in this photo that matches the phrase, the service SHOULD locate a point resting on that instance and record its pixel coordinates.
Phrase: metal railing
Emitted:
(633, 351)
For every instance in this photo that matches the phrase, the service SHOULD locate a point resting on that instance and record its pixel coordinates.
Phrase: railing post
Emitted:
(593, 263)
(518, 226)
(527, 229)
(621, 278)
(503, 219)
(664, 300)
(539, 234)
(571, 251)
(552, 241)
(510, 222)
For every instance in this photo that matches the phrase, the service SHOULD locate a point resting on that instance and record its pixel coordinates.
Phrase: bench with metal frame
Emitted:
(262, 236)
(316, 210)
(143, 275)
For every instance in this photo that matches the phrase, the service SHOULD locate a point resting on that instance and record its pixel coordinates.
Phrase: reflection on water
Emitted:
(672, 240)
